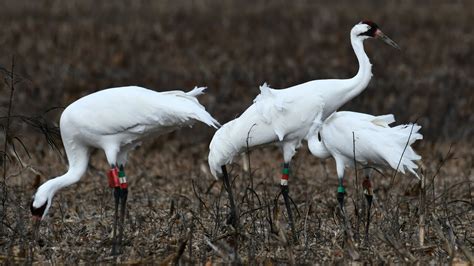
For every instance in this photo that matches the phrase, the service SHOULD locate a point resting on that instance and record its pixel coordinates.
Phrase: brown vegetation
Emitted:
(177, 212)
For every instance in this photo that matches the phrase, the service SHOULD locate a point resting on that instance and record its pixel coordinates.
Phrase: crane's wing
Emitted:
(272, 107)
(380, 120)
(138, 110)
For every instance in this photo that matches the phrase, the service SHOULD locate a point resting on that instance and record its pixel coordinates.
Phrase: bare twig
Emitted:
(421, 234)
(439, 230)
(5, 144)
(401, 156)
(247, 152)
(357, 195)
(282, 237)
(401, 251)
(224, 251)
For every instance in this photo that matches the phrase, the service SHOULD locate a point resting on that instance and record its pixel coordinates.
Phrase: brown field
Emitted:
(176, 211)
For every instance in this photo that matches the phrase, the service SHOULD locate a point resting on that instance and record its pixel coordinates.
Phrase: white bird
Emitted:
(287, 116)
(373, 142)
(116, 120)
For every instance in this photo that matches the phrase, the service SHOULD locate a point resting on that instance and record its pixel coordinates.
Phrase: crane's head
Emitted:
(368, 29)
(41, 202)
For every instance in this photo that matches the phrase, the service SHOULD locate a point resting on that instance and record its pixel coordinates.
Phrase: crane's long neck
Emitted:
(363, 76)
(78, 158)
(352, 87)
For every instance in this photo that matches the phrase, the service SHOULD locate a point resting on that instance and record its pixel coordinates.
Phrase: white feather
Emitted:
(376, 143)
(116, 120)
(287, 116)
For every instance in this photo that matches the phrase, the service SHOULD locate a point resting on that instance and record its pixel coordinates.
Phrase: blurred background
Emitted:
(70, 49)
(63, 50)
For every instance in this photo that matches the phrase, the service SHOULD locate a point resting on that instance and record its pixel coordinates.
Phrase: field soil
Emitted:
(62, 50)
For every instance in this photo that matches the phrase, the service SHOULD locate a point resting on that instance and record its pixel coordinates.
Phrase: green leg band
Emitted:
(340, 189)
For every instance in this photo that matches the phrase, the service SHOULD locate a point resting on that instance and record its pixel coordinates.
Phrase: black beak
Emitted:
(36, 221)
(380, 35)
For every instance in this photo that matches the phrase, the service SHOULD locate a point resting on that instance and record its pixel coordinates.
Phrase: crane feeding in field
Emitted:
(287, 116)
(116, 120)
(351, 137)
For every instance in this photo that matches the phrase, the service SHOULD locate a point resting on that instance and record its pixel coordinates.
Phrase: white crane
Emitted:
(373, 142)
(116, 120)
(287, 116)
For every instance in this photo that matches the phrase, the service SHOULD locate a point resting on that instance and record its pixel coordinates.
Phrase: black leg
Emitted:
(123, 207)
(369, 206)
(284, 191)
(117, 192)
(114, 183)
(369, 197)
(341, 192)
(340, 199)
(233, 218)
(123, 186)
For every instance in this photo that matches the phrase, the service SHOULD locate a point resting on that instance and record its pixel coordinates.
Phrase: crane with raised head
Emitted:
(287, 116)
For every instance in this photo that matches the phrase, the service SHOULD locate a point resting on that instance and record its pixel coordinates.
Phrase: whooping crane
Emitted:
(372, 140)
(287, 116)
(116, 120)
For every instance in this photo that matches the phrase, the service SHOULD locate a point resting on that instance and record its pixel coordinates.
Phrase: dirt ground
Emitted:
(177, 212)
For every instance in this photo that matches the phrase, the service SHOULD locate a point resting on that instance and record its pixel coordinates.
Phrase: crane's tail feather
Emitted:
(406, 135)
(200, 113)
(203, 116)
(383, 120)
(196, 91)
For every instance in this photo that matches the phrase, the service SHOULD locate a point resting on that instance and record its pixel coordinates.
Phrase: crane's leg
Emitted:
(123, 203)
(115, 184)
(341, 192)
(285, 191)
(367, 185)
(233, 217)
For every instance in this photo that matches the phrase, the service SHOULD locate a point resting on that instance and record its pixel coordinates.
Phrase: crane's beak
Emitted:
(36, 224)
(380, 35)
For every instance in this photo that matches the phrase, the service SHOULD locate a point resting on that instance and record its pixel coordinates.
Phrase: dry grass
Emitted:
(177, 211)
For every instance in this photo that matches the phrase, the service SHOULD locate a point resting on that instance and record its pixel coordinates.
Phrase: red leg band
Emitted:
(113, 178)
(123, 182)
(367, 187)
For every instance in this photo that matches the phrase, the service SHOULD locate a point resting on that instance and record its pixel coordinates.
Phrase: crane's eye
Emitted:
(370, 32)
(319, 137)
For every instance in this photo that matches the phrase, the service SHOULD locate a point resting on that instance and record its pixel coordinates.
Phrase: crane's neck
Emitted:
(363, 76)
(352, 87)
(317, 148)
(78, 160)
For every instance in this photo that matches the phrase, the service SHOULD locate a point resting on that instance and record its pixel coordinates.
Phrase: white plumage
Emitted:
(287, 116)
(376, 143)
(271, 119)
(116, 120)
